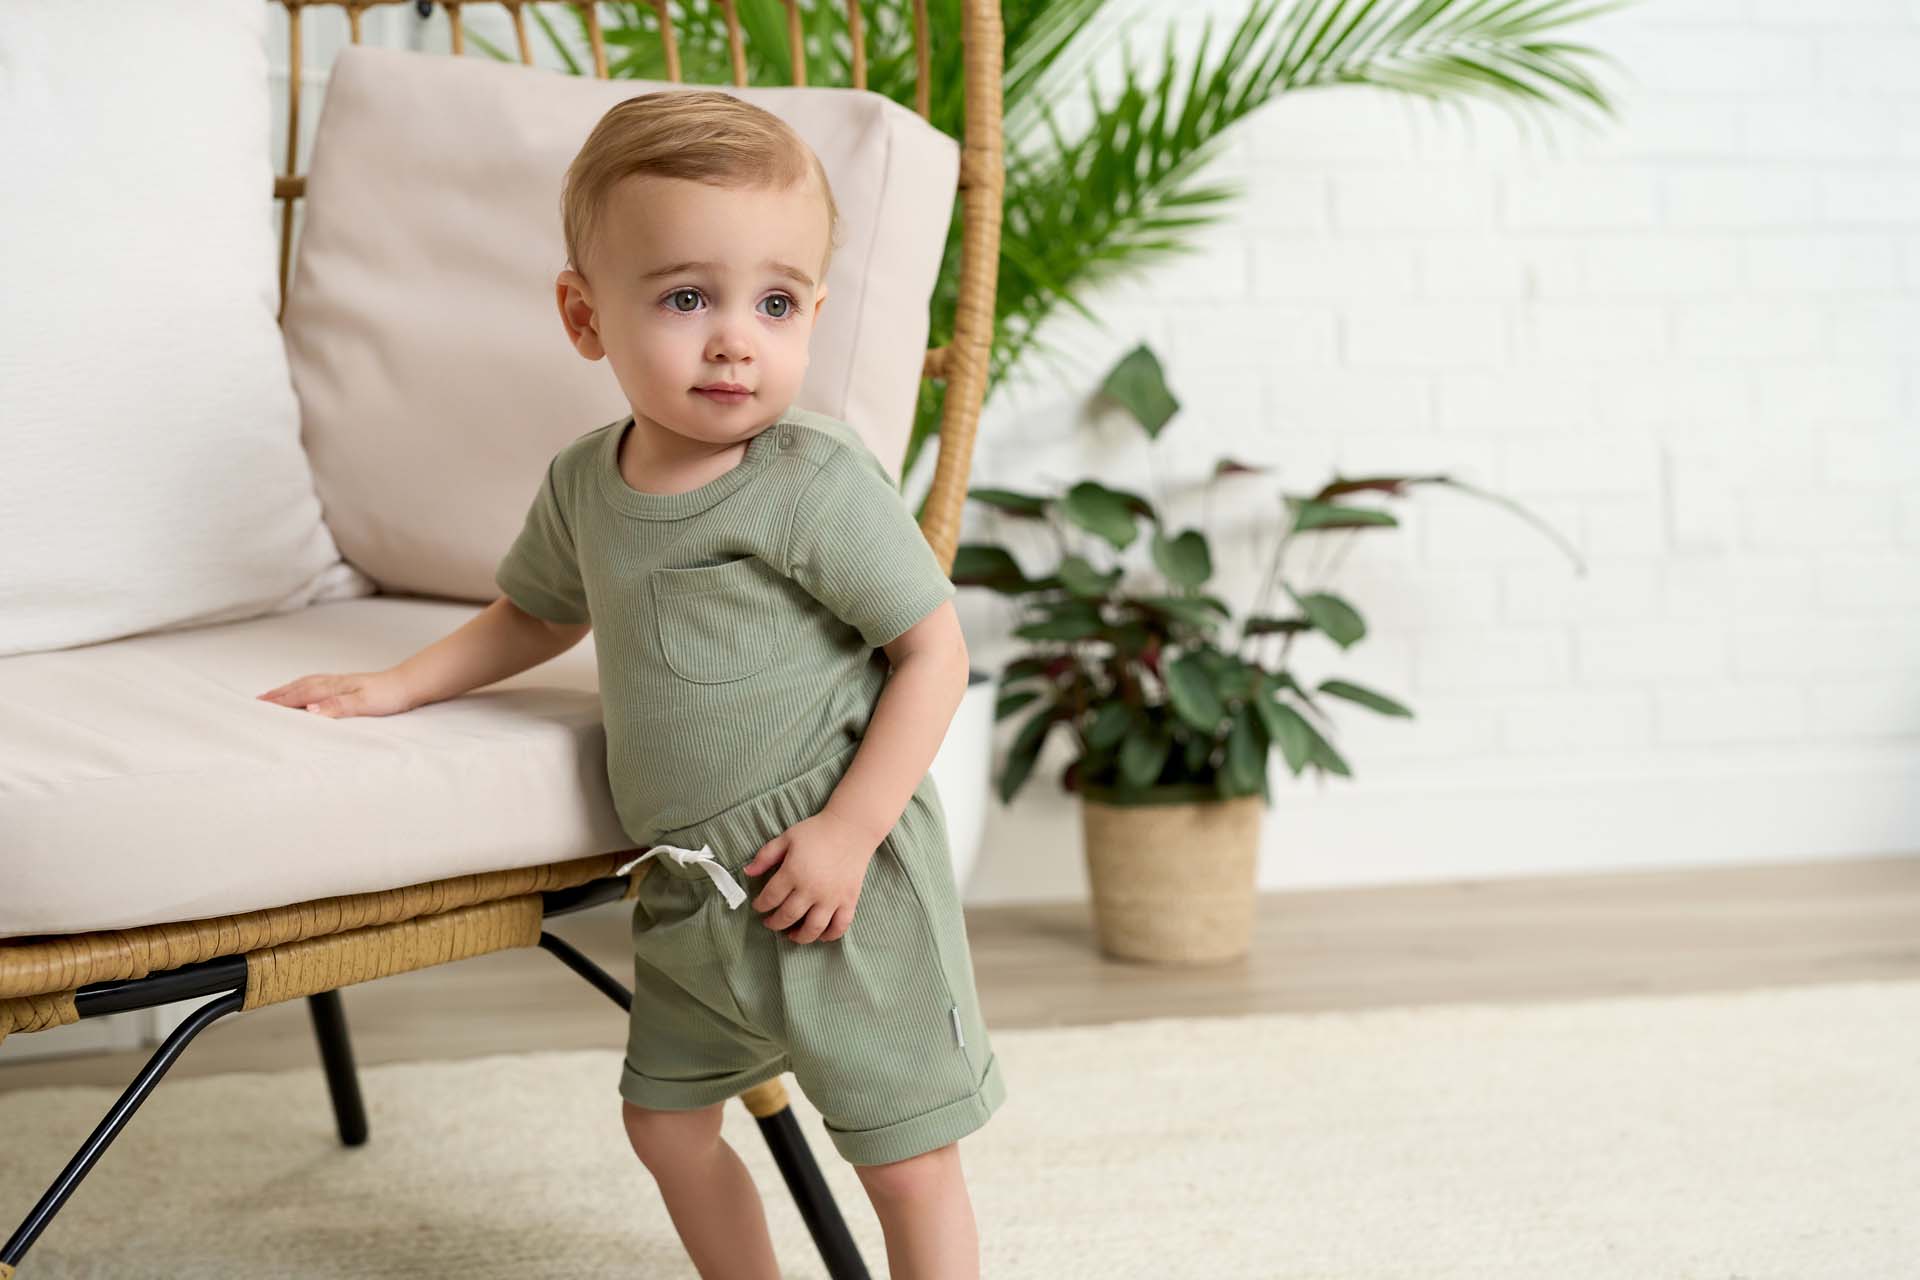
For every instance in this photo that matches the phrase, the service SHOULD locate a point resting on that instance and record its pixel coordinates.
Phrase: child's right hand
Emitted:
(361, 693)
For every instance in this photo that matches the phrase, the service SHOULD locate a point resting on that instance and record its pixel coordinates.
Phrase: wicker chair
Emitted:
(311, 949)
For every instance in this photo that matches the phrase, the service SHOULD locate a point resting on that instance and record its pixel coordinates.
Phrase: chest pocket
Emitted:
(719, 622)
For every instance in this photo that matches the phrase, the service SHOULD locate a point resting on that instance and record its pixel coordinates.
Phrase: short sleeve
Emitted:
(540, 571)
(855, 547)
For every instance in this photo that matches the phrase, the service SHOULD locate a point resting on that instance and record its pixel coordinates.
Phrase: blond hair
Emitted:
(703, 135)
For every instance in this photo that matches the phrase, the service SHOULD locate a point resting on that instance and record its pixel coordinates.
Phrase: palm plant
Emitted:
(1124, 191)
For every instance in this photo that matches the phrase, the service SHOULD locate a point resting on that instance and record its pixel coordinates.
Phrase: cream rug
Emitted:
(1744, 1136)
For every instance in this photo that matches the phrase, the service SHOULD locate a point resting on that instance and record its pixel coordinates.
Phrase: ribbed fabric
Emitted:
(881, 1027)
(737, 627)
(736, 624)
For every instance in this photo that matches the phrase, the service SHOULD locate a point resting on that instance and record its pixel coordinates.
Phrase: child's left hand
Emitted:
(823, 863)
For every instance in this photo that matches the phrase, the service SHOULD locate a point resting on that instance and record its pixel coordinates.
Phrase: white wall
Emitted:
(1685, 338)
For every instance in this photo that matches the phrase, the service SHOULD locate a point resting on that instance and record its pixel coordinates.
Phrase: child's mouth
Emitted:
(724, 397)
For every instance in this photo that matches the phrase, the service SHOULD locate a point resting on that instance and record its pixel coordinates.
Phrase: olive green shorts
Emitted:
(881, 1027)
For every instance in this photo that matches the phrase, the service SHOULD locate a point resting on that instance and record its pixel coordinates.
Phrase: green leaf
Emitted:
(1246, 754)
(1130, 638)
(1033, 666)
(1109, 724)
(1065, 628)
(1025, 506)
(1024, 751)
(1085, 581)
(982, 564)
(1365, 697)
(1332, 615)
(1107, 513)
(1185, 558)
(1144, 754)
(1069, 606)
(1012, 702)
(1140, 385)
(1198, 747)
(1288, 728)
(1233, 679)
(1196, 611)
(553, 37)
(1190, 690)
(491, 49)
(1323, 753)
(1309, 514)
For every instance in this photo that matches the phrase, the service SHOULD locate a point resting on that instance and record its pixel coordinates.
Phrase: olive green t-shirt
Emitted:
(736, 625)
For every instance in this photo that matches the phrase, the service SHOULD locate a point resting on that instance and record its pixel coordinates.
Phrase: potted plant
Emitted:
(1171, 728)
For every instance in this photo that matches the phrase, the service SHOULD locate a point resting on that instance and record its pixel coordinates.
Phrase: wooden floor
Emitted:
(1550, 938)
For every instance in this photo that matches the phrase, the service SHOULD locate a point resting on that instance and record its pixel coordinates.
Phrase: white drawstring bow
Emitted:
(703, 856)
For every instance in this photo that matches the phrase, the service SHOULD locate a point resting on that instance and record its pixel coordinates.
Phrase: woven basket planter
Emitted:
(1173, 882)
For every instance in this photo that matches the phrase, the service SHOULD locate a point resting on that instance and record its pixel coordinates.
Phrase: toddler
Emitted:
(779, 659)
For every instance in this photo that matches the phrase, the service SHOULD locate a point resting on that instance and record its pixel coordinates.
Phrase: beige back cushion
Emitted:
(433, 374)
(151, 475)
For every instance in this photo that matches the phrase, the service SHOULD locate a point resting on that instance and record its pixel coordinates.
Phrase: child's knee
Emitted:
(914, 1178)
(664, 1137)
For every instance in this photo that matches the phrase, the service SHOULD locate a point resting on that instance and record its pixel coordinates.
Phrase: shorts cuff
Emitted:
(927, 1131)
(687, 1095)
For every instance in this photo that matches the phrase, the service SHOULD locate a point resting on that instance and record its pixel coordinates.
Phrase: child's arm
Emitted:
(856, 548)
(499, 641)
(813, 897)
(909, 721)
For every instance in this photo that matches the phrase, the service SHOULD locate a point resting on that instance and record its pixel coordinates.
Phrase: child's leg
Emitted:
(924, 1210)
(709, 1193)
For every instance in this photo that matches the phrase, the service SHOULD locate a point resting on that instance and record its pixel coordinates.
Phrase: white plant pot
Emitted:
(962, 771)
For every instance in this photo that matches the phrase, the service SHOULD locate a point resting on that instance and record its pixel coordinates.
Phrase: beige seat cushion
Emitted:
(142, 782)
(434, 377)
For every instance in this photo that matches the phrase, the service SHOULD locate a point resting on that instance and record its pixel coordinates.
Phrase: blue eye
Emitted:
(787, 304)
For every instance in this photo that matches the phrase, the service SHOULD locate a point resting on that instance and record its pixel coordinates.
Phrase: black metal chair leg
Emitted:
(336, 1054)
(115, 1120)
(812, 1196)
(809, 1189)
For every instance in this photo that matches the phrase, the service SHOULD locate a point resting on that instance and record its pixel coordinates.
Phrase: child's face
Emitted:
(667, 328)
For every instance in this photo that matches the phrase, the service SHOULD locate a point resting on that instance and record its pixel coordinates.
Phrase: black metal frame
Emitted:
(227, 977)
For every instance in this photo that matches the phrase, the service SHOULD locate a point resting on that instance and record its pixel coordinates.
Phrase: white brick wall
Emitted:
(1686, 339)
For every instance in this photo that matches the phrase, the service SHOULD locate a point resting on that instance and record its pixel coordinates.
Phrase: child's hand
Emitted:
(361, 693)
(823, 862)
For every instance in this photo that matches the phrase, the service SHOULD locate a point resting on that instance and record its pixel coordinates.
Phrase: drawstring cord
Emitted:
(703, 857)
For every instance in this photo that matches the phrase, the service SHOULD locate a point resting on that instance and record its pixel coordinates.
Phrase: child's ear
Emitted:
(819, 301)
(572, 294)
